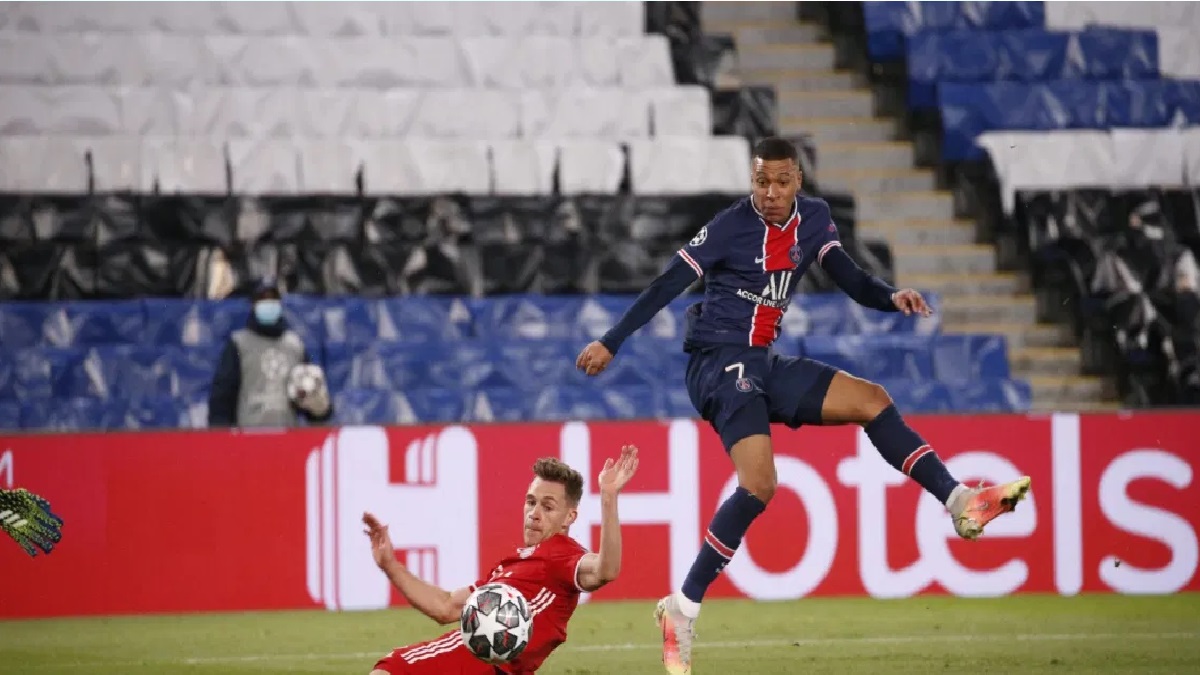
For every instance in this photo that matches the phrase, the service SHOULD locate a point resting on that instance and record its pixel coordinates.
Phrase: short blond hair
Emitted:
(554, 470)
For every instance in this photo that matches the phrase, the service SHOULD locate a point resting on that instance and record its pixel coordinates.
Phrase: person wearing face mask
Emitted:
(249, 388)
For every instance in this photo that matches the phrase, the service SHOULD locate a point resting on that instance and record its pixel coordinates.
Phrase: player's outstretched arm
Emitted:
(436, 603)
(674, 280)
(868, 290)
(604, 566)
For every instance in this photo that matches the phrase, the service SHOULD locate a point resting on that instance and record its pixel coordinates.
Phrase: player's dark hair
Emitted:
(556, 471)
(775, 148)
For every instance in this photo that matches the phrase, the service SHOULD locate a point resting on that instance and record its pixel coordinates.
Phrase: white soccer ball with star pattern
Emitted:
(496, 623)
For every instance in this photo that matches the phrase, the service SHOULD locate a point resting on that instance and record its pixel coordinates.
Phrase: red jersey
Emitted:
(546, 575)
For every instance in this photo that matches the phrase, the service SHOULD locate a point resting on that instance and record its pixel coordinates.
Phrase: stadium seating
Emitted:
(989, 67)
(434, 359)
(1125, 264)
(296, 99)
(1074, 129)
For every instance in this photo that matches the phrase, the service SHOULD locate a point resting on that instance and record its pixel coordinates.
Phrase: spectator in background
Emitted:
(261, 379)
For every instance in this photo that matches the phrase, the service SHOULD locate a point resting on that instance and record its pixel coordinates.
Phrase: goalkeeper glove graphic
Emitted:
(27, 518)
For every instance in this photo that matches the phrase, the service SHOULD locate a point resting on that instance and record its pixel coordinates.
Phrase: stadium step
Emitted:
(1051, 406)
(757, 31)
(1018, 335)
(887, 180)
(1045, 360)
(1069, 389)
(1009, 309)
(916, 232)
(846, 103)
(811, 57)
(944, 259)
(1000, 283)
(777, 12)
(893, 206)
(854, 155)
(792, 79)
(839, 129)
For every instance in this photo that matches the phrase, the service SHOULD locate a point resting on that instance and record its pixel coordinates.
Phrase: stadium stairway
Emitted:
(859, 152)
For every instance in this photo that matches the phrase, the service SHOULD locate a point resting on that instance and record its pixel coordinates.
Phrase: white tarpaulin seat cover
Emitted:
(175, 59)
(1175, 22)
(1115, 158)
(685, 165)
(589, 166)
(331, 18)
(421, 97)
(522, 167)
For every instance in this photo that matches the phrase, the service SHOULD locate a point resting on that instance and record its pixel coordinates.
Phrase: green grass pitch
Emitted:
(1023, 634)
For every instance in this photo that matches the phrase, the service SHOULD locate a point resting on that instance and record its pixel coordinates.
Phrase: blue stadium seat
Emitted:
(156, 413)
(888, 23)
(470, 364)
(365, 406)
(131, 372)
(21, 324)
(435, 404)
(992, 395)
(570, 403)
(86, 323)
(419, 318)
(193, 322)
(528, 317)
(968, 110)
(964, 358)
(1027, 55)
(498, 404)
(532, 364)
(72, 414)
(193, 369)
(919, 396)
(47, 372)
(305, 315)
(627, 401)
(8, 374)
(10, 415)
(677, 403)
(878, 357)
(384, 365)
(661, 361)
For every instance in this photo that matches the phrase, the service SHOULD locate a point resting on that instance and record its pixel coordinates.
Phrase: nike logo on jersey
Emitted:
(759, 260)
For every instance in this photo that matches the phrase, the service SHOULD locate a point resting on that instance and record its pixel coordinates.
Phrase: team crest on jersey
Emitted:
(796, 254)
(743, 384)
(700, 237)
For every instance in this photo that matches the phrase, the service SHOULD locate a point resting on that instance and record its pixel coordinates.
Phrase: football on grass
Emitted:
(496, 623)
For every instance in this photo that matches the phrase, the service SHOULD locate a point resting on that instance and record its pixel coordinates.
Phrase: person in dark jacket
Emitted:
(265, 377)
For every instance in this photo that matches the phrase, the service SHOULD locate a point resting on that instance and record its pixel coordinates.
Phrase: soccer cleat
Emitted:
(678, 632)
(980, 506)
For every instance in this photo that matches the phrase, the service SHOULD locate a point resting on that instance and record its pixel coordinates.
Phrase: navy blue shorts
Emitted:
(741, 391)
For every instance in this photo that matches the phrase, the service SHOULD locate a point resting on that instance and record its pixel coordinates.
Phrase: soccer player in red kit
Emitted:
(551, 569)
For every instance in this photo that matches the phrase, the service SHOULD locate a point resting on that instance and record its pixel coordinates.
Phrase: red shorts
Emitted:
(444, 656)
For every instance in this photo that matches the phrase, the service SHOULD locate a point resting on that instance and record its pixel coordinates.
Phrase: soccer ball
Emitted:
(496, 623)
(304, 380)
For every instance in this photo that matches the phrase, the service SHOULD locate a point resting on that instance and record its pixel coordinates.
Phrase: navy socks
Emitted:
(909, 454)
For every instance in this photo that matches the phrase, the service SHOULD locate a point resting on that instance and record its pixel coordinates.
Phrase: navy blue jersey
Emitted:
(751, 269)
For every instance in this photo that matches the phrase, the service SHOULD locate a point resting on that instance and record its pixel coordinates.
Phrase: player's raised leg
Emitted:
(851, 400)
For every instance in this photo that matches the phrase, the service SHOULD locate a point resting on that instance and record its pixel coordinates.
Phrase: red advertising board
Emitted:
(194, 521)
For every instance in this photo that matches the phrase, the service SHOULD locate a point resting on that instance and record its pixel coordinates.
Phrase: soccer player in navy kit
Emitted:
(752, 255)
